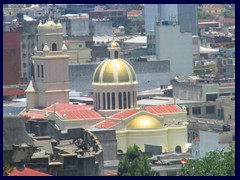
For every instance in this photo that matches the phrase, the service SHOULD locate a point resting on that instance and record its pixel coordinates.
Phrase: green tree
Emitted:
(227, 14)
(215, 163)
(7, 168)
(204, 15)
(134, 163)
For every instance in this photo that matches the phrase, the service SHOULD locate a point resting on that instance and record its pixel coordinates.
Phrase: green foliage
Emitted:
(7, 168)
(134, 163)
(204, 15)
(215, 163)
(227, 14)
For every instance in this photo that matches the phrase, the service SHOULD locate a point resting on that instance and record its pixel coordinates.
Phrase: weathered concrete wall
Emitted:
(150, 75)
(108, 141)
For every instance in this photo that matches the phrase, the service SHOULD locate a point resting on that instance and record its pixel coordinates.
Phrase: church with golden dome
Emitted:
(114, 106)
(114, 82)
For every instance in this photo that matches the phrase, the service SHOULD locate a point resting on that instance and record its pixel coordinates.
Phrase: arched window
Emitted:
(54, 47)
(32, 71)
(129, 100)
(120, 100)
(113, 100)
(108, 100)
(125, 100)
(42, 71)
(133, 98)
(178, 149)
(115, 54)
(98, 103)
(38, 71)
(104, 102)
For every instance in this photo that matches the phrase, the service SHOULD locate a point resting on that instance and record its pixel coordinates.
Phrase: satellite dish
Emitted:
(20, 167)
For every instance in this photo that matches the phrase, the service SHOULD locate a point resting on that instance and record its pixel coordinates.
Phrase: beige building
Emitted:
(78, 51)
(115, 107)
(50, 83)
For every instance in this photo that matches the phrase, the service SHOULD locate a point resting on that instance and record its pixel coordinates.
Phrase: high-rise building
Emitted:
(188, 18)
(185, 14)
(175, 46)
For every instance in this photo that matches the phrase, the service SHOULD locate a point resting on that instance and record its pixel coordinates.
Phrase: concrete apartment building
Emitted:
(175, 46)
(210, 141)
(169, 12)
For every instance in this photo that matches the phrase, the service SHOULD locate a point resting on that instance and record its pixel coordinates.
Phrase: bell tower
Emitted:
(50, 81)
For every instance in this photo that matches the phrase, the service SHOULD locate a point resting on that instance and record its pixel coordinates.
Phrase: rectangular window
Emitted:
(187, 111)
(42, 71)
(196, 110)
(210, 109)
(211, 97)
(38, 71)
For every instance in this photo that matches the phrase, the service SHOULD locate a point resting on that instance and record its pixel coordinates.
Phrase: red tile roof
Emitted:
(13, 92)
(34, 115)
(110, 172)
(227, 85)
(223, 43)
(227, 20)
(161, 109)
(205, 20)
(126, 113)
(67, 107)
(27, 172)
(106, 124)
(80, 114)
(72, 112)
(134, 13)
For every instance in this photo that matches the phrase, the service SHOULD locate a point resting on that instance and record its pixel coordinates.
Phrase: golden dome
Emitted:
(114, 44)
(144, 122)
(114, 71)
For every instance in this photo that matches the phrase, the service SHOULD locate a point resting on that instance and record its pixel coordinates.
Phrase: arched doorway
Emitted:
(178, 149)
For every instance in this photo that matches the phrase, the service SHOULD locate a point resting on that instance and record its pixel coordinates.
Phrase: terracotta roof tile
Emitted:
(72, 112)
(80, 114)
(227, 85)
(125, 113)
(110, 172)
(161, 109)
(106, 124)
(13, 92)
(27, 172)
(34, 115)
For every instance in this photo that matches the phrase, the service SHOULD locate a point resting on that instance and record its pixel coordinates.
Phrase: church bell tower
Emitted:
(50, 82)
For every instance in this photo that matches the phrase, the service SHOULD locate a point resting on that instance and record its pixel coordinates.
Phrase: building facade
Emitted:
(169, 45)
(50, 82)
(11, 58)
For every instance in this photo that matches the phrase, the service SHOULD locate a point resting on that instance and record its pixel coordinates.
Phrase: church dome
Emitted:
(144, 122)
(114, 44)
(114, 71)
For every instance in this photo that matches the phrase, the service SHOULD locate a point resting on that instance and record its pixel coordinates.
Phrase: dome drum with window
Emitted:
(114, 82)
